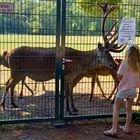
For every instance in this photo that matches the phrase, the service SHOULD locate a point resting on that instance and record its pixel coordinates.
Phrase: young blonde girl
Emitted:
(128, 75)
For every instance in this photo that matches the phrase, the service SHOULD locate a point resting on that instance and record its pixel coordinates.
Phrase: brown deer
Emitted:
(104, 71)
(110, 41)
(4, 62)
(113, 73)
(96, 71)
(39, 65)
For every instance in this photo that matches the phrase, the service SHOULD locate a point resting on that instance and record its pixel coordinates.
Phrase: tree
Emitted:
(91, 7)
(44, 19)
(1, 23)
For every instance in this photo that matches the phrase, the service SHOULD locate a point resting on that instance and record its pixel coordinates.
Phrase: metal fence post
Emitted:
(57, 60)
(59, 101)
(63, 33)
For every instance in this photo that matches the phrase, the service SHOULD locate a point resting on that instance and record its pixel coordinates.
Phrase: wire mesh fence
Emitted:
(36, 23)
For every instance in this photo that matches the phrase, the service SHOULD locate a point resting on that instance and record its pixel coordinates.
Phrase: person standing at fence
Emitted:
(128, 74)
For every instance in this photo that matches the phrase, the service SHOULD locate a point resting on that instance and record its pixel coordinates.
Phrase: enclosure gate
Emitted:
(60, 24)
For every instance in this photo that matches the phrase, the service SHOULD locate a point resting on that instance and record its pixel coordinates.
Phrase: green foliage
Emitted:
(136, 116)
(1, 24)
(91, 7)
(20, 26)
(83, 17)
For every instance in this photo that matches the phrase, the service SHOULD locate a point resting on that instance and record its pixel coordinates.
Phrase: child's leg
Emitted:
(116, 108)
(129, 102)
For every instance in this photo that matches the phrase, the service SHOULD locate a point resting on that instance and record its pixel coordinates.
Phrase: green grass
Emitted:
(3, 117)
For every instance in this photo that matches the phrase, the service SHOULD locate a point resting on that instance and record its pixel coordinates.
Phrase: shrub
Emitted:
(136, 117)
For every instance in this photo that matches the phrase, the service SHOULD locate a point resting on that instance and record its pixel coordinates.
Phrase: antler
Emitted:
(109, 38)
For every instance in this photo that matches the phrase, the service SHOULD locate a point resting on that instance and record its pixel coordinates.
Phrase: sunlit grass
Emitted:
(84, 43)
(9, 41)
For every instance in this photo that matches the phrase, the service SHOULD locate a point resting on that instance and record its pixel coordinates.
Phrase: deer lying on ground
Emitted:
(39, 65)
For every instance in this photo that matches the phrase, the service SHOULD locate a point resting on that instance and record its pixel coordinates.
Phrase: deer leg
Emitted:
(72, 104)
(21, 92)
(114, 96)
(15, 80)
(99, 85)
(8, 84)
(43, 86)
(23, 83)
(92, 87)
(112, 92)
(11, 83)
(35, 86)
(71, 98)
(67, 100)
(12, 95)
(28, 88)
(116, 80)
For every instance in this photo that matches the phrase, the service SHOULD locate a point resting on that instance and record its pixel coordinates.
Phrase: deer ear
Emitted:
(100, 45)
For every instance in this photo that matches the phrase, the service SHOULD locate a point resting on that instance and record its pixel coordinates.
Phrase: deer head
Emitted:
(109, 38)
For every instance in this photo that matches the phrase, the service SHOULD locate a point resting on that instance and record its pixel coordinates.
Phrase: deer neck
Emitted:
(88, 60)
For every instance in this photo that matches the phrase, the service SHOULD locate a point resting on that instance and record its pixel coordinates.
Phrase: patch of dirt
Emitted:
(71, 131)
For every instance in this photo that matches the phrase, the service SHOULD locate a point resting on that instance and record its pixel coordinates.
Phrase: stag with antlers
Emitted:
(110, 42)
(39, 65)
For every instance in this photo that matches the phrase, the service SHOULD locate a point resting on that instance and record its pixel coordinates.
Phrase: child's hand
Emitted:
(119, 76)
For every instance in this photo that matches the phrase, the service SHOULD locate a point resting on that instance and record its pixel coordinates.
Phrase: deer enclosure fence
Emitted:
(34, 46)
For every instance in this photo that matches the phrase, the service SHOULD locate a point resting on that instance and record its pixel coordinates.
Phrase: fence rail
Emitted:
(57, 24)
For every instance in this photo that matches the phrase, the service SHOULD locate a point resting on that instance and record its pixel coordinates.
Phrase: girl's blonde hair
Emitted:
(132, 56)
